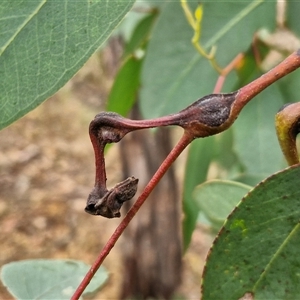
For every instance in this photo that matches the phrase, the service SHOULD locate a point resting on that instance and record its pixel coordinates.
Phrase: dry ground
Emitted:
(46, 173)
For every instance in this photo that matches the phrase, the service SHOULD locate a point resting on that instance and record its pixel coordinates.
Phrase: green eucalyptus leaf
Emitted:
(174, 74)
(255, 140)
(140, 34)
(257, 249)
(292, 16)
(248, 69)
(217, 198)
(126, 84)
(124, 90)
(225, 154)
(201, 153)
(44, 43)
(249, 179)
(289, 87)
(48, 279)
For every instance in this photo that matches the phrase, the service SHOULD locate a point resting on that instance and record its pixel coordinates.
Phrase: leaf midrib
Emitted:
(280, 248)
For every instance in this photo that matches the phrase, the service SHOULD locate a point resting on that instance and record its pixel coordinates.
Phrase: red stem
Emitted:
(176, 151)
(246, 93)
(219, 84)
(100, 178)
(221, 79)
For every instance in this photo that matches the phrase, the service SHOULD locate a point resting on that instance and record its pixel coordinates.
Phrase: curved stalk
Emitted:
(182, 144)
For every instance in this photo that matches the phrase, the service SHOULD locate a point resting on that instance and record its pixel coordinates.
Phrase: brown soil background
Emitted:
(46, 173)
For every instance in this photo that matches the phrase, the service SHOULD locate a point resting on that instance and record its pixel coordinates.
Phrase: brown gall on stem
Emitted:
(204, 117)
(209, 115)
(110, 203)
(287, 122)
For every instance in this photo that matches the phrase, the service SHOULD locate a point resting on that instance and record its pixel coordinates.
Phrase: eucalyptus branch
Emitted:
(182, 144)
(207, 116)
